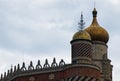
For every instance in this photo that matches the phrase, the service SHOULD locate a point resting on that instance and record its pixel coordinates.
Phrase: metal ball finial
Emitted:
(94, 12)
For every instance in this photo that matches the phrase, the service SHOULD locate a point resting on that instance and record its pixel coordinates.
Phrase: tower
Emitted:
(81, 45)
(81, 49)
(100, 37)
(89, 47)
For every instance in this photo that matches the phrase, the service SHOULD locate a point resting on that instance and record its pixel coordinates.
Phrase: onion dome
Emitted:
(81, 34)
(97, 32)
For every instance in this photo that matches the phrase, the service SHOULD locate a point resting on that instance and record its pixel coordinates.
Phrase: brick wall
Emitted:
(59, 75)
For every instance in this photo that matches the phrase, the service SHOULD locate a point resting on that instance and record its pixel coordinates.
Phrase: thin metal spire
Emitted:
(94, 4)
(81, 23)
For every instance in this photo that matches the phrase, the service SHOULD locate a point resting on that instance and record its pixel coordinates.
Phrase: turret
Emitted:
(81, 45)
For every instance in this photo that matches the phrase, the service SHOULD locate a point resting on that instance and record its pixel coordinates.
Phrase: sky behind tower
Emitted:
(40, 29)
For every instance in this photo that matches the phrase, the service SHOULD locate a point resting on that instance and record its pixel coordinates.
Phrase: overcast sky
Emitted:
(40, 29)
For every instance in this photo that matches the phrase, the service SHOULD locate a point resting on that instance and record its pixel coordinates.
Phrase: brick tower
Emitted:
(89, 60)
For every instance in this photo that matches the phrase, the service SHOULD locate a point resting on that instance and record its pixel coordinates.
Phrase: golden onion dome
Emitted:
(97, 32)
(81, 35)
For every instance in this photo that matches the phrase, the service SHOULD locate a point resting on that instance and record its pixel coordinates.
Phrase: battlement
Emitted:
(18, 71)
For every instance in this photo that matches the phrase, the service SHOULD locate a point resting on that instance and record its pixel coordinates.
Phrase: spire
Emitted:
(81, 23)
(94, 3)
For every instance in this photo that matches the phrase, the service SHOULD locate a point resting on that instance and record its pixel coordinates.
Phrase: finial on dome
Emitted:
(81, 23)
(94, 12)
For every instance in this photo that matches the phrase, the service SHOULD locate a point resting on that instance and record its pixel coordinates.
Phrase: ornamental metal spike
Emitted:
(81, 23)
(1, 76)
(15, 69)
(18, 67)
(38, 62)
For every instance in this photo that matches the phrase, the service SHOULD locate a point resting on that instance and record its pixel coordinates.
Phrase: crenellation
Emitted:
(23, 68)
(30, 67)
(16, 71)
(46, 65)
(61, 63)
(38, 66)
(54, 64)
